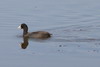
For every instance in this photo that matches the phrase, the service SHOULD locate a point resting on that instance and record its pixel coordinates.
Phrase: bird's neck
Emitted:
(25, 31)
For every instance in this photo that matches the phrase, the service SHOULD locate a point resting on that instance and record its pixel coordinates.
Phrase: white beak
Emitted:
(19, 27)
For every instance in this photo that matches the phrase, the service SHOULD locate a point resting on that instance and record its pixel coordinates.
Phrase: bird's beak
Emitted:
(19, 27)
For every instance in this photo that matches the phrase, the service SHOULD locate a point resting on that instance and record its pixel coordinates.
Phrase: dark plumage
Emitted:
(37, 34)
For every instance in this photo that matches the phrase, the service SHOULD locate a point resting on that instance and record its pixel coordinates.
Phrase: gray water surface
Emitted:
(75, 25)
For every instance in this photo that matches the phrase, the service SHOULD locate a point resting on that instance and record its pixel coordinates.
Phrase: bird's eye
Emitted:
(21, 26)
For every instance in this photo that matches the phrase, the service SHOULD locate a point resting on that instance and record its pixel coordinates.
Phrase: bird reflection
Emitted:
(25, 43)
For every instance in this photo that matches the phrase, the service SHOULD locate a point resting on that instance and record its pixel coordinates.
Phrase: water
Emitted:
(75, 26)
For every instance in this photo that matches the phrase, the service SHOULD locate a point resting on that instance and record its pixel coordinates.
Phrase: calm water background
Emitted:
(75, 25)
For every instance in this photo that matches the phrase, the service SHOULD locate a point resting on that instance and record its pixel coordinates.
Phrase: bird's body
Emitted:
(37, 34)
